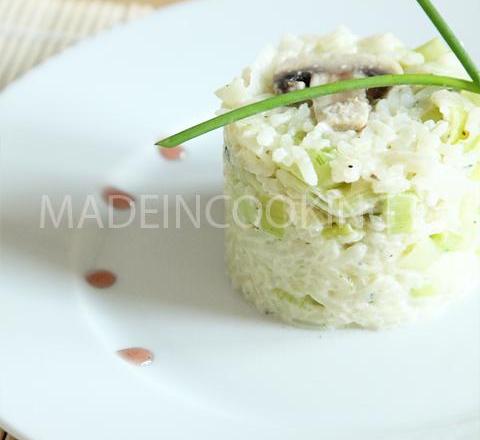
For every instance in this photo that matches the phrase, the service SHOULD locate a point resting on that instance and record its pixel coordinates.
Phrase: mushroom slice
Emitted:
(291, 81)
(343, 111)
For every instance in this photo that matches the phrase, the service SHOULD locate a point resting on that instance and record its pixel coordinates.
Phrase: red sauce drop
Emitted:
(175, 153)
(136, 356)
(101, 279)
(118, 199)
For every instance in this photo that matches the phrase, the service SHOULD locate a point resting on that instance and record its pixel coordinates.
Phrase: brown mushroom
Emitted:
(343, 111)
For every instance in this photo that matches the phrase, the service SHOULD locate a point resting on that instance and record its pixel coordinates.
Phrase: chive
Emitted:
(314, 92)
(451, 39)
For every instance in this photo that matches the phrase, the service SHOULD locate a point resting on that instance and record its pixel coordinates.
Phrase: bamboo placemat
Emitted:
(33, 30)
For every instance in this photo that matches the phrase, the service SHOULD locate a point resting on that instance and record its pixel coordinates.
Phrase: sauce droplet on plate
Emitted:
(117, 198)
(101, 279)
(175, 153)
(136, 356)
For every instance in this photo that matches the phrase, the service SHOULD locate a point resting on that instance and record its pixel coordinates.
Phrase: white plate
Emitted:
(89, 119)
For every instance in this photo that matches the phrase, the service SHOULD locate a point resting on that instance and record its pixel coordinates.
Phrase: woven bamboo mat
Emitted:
(33, 30)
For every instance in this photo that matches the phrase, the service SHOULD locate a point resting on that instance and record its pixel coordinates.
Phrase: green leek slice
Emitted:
(299, 137)
(335, 231)
(248, 211)
(432, 50)
(424, 291)
(400, 213)
(449, 241)
(420, 256)
(356, 199)
(473, 146)
(432, 114)
(457, 120)
(344, 233)
(321, 164)
(275, 217)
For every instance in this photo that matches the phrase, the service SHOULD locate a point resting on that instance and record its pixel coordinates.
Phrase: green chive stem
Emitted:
(451, 39)
(315, 92)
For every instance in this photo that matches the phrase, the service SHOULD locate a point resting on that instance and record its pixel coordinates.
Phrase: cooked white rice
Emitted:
(394, 232)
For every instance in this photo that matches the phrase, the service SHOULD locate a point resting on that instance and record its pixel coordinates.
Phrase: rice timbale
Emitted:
(358, 209)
